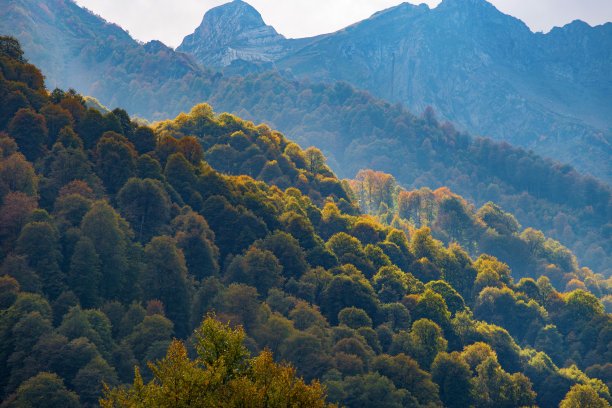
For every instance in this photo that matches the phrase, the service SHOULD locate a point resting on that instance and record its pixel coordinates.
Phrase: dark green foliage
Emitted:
(107, 293)
(39, 243)
(29, 130)
(165, 279)
(146, 205)
(453, 376)
(257, 268)
(107, 232)
(196, 240)
(43, 390)
(85, 276)
(116, 160)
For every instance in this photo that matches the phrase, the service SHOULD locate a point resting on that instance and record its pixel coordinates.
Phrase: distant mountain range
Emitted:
(355, 130)
(477, 67)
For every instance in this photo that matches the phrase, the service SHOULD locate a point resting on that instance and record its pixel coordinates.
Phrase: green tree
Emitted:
(39, 242)
(43, 390)
(165, 278)
(110, 236)
(29, 129)
(257, 268)
(346, 291)
(17, 174)
(144, 139)
(115, 160)
(406, 374)
(288, 252)
(89, 380)
(197, 241)
(146, 205)
(390, 283)
(370, 390)
(454, 376)
(426, 340)
(84, 277)
(354, 318)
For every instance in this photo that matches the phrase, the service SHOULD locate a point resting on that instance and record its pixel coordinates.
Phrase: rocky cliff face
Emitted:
(477, 67)
(234, 31)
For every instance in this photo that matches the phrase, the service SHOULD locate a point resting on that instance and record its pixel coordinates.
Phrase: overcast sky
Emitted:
(171, 20)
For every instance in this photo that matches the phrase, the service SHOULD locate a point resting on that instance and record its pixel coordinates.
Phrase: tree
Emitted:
(315, 160)
(453, 300)
(144, 139)
(165, 278)
(14, 214)
(89, 380)
(197, 241)
(496, 388)
(346, 291)
(43, 390)
(84, 277)
(390, 283)
(370, 390)
(431, 305)
(221, 375)
(110, 237)
(115, 160)
(454, 376)
(29, 129)
(583, 395)
(17, 174)
(494, 217)
(288, 252)
(146, 205)
(354, 318)
(427, 341)
(56, 118)
(257, 268)
(39, 242)
(406, 374)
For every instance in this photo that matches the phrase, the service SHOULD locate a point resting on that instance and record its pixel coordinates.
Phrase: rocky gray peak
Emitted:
(233, 31)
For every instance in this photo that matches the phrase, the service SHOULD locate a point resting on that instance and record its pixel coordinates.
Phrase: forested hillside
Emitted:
(485, 230)
(117, 238)
(353, 129)
(357, 131)
(480, 68)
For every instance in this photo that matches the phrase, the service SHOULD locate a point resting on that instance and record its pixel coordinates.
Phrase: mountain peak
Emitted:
(237, 12)
(230, 32)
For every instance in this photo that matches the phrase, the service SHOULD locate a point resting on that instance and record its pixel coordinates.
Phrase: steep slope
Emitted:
(357, 131)
(81, 50)
(481, 69)
(122, 239)
(353, 129)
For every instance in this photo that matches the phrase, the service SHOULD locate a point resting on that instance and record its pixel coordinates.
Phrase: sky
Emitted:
(171, 20)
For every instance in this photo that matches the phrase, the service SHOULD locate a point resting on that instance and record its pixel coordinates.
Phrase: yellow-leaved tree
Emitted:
(222, 375)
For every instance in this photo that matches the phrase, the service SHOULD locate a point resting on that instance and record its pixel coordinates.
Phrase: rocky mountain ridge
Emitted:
(477, 67)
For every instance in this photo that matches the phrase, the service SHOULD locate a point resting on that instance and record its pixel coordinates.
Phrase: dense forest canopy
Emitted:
(118, 238)
(353, 129)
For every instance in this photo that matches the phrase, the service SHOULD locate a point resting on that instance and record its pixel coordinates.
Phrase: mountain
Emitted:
(81, 50)
(124, 245)
(234, 32)
(353, 129)
(477, 67)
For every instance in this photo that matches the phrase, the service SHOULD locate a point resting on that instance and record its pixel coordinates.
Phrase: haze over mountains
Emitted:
(481, 69)
(355, 130)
